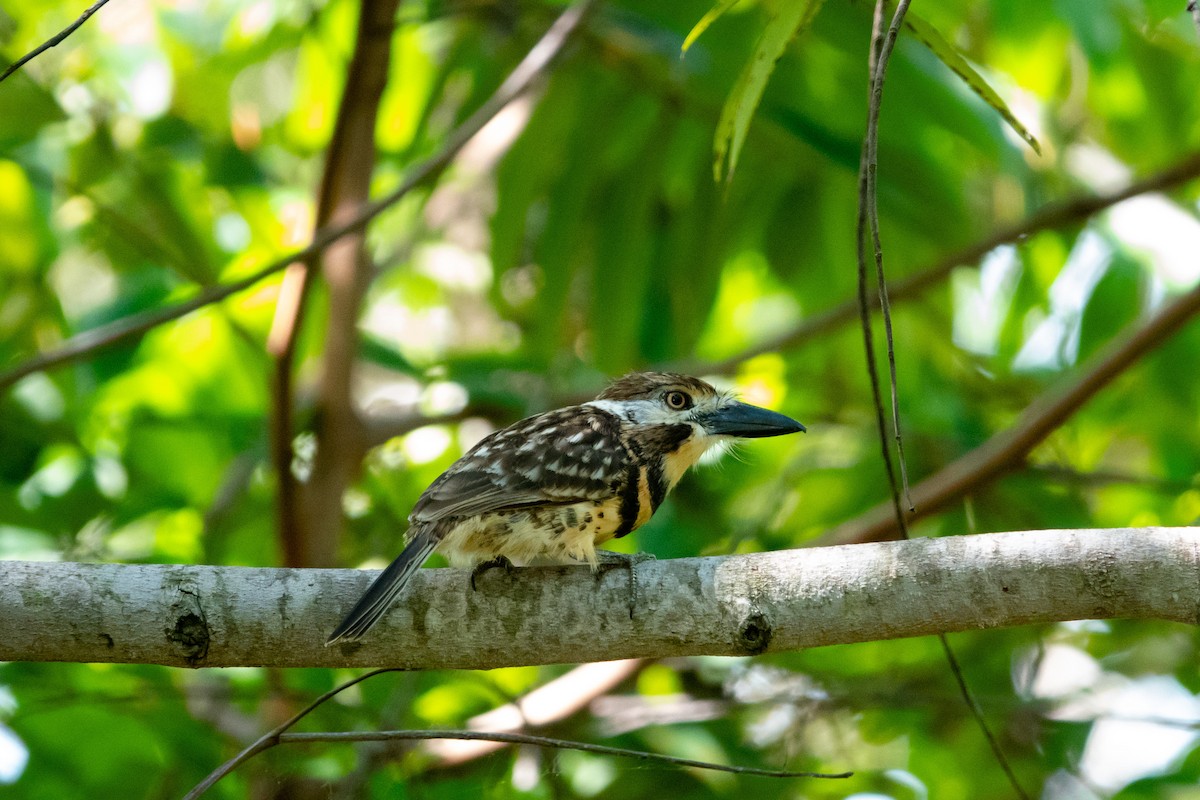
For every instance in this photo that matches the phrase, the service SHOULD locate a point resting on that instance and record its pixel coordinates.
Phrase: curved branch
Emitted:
(1052, 216)
(1007, 450)
(271, 737)
(868, 218)
(200, 616)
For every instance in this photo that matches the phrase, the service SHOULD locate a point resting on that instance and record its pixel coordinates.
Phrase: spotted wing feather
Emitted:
(560, 457)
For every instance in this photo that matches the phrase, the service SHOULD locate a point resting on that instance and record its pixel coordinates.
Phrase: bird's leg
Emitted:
(610, 560)
(498, 561)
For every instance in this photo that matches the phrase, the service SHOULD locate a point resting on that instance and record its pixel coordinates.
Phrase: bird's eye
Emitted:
(678, 400)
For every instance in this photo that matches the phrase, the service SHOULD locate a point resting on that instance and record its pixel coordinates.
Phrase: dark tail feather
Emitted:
(380, 594)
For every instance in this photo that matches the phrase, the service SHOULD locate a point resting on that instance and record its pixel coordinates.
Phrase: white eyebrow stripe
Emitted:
(611, 406)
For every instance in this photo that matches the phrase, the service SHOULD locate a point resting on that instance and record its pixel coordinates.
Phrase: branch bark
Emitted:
(199, 616)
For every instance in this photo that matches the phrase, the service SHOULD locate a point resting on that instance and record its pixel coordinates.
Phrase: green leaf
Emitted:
(713, 14)
(37, 109)
(383, 353)
(744, 97)
(949, 56)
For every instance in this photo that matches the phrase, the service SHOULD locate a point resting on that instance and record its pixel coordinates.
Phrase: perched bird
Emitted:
(553, 486)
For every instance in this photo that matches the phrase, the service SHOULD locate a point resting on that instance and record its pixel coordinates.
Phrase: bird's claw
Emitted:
(610, 560)
(498, 561)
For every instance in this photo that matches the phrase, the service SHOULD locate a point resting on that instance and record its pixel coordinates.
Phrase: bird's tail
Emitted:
(380, 594)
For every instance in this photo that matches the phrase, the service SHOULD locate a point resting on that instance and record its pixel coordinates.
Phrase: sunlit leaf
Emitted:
(950, 56)
(700, 27)
(743, 99)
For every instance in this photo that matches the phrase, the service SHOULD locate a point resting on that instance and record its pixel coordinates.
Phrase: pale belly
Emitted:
(556, 534)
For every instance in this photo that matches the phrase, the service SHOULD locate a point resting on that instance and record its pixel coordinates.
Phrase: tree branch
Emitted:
(546, 741)
(1007, 450)
(545, 705)
(310, 517)
(341, 737)
(271, 738)
(53, 41)
(1053, 216)
(200, 616)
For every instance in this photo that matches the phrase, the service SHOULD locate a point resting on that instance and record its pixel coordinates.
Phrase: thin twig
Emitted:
(546, 741)
(53, 41)
(532, 67)
(271, 737)
(1064, 474)
(877, 64)
(278, 735)
(977, 712)
(548, 704)
(868, 217)
(1055, 215)
(871, 168)
(134, 325)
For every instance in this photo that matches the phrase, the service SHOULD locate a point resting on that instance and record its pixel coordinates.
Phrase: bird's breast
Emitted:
(558, 533)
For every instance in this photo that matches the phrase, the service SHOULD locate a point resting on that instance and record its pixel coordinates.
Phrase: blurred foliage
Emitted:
(172, 145)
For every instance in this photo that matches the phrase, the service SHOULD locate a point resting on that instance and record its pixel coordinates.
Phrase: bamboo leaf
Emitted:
(950, 56)
(789, 20)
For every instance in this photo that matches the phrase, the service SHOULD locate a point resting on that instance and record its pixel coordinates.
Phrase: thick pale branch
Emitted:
(738, 605)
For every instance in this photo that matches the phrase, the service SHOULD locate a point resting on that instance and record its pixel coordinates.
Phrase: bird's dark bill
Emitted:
(749, 422)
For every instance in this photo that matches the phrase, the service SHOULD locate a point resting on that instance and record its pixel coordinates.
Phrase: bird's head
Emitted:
(682, 416)
(667, 398)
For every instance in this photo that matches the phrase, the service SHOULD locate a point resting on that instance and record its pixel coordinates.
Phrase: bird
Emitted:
(553, 486)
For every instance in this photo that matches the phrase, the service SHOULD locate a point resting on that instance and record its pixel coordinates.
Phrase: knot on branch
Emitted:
(187, 627)
(191, 636)
(754, 634)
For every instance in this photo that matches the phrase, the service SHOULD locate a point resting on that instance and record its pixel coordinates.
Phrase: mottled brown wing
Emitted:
(564, 456)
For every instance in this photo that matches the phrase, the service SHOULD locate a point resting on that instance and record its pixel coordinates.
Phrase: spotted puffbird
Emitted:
(554, 486)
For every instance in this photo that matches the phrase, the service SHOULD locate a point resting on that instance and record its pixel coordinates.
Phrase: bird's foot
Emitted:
(610, 560)
(498, 561)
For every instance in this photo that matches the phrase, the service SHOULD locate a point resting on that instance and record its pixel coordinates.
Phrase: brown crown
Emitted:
(641, 385)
